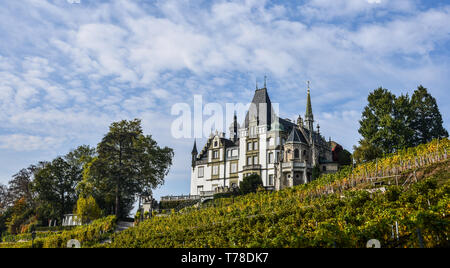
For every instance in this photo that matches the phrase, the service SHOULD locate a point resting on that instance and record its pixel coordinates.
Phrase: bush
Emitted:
(88, 210)
(250, 184)
(87, 235)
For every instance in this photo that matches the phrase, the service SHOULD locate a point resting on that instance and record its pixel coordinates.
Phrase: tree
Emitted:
(80, 157)
(427, 123)
(87, 209)
(4, 199)
(55, 186)
(391, 123)
(250, 184)
(315, 172)
(381, 123)
(21, 184)
(366, 152)
(128, 164)
(345, 158)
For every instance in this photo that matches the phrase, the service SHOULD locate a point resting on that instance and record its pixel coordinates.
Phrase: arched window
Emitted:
(296, 153)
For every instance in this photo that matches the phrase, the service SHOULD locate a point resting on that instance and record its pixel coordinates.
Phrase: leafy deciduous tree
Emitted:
(87, 209)
(128, 163)
(55, 185)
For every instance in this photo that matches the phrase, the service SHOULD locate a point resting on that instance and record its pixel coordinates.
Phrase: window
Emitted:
(233, 167)
(255, 145)
(324, 168)
(249, 146)
(215, 170)
(249, 160)
(216, 154)
(296, 153)
(229, 153)
(201, 171)
(215, 144)
(235, 152)
(270, 182)
(199, 189)
(270, 158)
(255, 160)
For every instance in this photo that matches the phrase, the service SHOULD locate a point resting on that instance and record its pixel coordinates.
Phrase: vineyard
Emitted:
(346, 209)
(402, 200)
(87, 235)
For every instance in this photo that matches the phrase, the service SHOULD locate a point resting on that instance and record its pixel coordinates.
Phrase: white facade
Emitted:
(265, 145)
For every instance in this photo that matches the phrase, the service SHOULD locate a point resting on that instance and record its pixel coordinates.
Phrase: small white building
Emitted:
(71, 220)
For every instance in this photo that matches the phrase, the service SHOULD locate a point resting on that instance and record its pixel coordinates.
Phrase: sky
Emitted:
(69, 68)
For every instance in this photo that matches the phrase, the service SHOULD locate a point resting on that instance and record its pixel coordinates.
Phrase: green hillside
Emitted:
(410, 189)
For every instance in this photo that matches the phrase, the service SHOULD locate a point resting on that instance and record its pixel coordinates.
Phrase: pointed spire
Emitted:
(309, 113)
(194, 150)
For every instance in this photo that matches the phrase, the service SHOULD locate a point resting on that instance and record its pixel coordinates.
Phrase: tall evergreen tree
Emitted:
(427, 123)
(381, 123)
(390, 123)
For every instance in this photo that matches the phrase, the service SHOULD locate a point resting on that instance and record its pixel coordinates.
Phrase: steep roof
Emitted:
(194, 150)
(261, 100)
(296, 136)
(228, 143)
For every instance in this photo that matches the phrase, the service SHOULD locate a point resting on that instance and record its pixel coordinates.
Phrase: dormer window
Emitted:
(215, 144)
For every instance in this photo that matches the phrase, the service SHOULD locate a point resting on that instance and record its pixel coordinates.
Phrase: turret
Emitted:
(194, 154)
(234, 129)
(299, 121)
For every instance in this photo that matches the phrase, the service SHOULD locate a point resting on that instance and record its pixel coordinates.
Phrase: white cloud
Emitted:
(348, 9)
(90, 65)
(24, 143)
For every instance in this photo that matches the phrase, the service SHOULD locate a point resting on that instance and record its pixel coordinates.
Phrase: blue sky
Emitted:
(67, 70)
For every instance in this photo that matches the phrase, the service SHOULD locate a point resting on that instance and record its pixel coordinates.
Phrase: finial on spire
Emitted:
(308, 82)
(256, 79)
(265, 81)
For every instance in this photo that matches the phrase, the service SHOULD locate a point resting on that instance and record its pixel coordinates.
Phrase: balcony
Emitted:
(180, 197)
(252, 167)
(207, 193)
(294, 165)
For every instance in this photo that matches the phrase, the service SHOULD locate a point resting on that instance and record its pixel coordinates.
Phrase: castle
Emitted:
(283, 153)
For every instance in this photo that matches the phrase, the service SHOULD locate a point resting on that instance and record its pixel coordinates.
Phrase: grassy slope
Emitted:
(289, 219)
